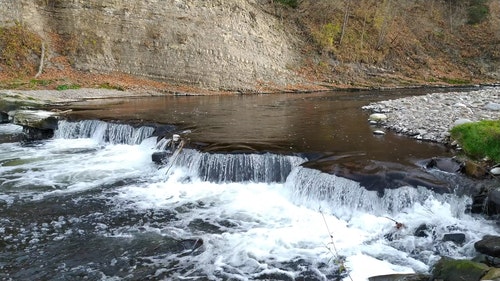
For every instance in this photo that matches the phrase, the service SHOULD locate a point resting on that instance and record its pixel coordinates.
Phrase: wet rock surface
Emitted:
(430, 117)
(489, 245)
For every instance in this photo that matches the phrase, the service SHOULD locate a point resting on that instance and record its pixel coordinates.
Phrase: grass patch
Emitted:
(68, 87)
(479, 139)
(456, 81)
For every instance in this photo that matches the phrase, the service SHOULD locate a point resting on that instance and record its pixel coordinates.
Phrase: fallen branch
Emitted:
(399, 225)
(338, 258)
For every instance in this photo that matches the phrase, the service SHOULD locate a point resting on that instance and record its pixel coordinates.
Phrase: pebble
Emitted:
(430, 117)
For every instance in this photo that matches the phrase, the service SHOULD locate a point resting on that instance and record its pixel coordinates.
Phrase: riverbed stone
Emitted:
(492, 106)
(489, 245)
(448, 110)
(495, 171)
(461, 121)
(379, 132)
(447, 269)
(378, 117)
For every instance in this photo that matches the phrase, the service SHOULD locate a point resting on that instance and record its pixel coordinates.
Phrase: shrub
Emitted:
(291, 3)
(479, 139)
(17, 47)
(478, 12)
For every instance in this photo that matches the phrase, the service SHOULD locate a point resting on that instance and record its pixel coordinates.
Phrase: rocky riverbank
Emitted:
(430, 117)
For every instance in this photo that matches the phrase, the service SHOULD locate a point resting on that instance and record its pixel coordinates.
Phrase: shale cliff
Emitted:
(252, 45)
(224, 44)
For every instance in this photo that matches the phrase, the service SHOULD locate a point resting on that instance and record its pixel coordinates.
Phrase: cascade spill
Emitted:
(90, 204)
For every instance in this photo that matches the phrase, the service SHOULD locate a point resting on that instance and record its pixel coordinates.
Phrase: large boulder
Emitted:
(489, 245)
(37, 119)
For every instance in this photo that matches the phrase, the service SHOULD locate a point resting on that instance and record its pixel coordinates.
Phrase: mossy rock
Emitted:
(493, 274)
(447, 269)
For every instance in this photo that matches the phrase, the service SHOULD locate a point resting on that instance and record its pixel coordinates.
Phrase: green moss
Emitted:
(449, 270)
(479, 139)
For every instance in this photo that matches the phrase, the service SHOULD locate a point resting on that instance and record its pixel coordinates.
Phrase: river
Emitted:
(252, 195)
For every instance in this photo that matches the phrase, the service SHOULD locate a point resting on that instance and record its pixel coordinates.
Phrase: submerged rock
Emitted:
(449, 165)
(457, 238)
(379, 175)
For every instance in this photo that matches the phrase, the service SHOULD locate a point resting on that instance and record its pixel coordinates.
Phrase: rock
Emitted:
(495, 171)
(379, 132)
(449, 165)
(447, 269)
(422, 231)
(378, 117)
(160, 156)
(492, 106)
(400, 277)
(457, 238)
(488, 260)
(379, 175)
(461, 121)
(38, 119)
(489, 245)
(493, 203)
(473, 169)
(493, 274)
(4, 117)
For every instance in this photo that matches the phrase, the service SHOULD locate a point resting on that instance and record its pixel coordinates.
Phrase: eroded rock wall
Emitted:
(220, 44)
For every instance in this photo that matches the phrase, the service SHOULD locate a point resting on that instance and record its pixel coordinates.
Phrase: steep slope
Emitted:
(225, 44)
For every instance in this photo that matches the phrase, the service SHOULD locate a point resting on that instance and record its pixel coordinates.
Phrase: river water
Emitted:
(252, 196)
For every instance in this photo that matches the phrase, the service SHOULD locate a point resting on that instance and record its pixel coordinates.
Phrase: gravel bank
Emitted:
(431, 116)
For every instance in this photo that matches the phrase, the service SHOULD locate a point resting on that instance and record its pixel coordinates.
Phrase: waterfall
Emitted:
(215, 167)
(312, 187)
(102, 131)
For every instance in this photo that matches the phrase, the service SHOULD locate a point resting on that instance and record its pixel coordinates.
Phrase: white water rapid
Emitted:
(91, 203)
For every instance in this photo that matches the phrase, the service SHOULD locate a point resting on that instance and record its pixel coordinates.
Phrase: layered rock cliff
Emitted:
(223, 44)
(258, 45)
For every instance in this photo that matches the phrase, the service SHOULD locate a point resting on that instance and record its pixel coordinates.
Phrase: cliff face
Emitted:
(223, 44)
(263, 45)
